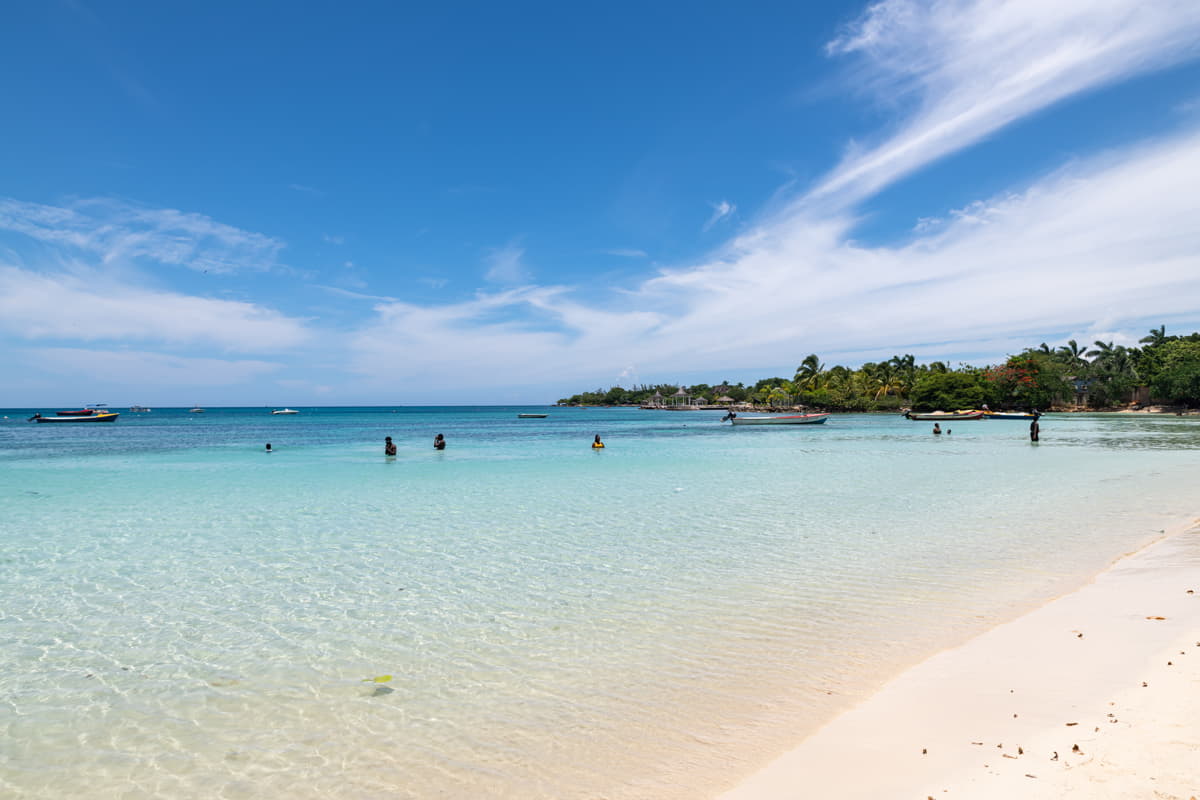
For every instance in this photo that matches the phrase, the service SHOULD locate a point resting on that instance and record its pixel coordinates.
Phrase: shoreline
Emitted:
(1112, 668)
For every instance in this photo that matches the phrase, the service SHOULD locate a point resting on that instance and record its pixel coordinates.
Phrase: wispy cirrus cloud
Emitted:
(722, 210)
(88, 308)
(143, 368)
(354, 295)
(625, 252)
(509, 337)
(1105, 241)
(506, 265)
(117, 231)
(1107, 245)
(959, 70)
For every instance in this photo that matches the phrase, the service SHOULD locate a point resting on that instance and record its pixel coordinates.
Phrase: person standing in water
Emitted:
(439, 442)
(596, 443)
(268, 447)
(936, 429)
(1034, 430)
(389, 448)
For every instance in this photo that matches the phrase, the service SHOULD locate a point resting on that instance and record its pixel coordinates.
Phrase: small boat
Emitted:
(83, 412)
(1009, 415)
(139, 410)
(532, 416)
(791, 419)
(285, 411)
(944, 415)
(107, 416)
(196, 410)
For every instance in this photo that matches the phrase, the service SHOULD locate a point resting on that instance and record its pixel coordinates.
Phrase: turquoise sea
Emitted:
(183, 615)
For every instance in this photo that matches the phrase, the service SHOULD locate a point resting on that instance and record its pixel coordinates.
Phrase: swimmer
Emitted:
(439, 442)
(389, 449)
(596, 443)
(268, 447)
(937, 429)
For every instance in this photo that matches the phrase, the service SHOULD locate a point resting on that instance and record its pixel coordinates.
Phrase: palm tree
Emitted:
(781, 395)
(809, 373)
(1072, 354)
(1045, 348)
(906, 373)
(881, 379)
(1157, 336)
(1101, 352)
(1114, 367)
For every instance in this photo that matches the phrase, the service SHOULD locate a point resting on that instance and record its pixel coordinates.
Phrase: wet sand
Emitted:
(1094, 695)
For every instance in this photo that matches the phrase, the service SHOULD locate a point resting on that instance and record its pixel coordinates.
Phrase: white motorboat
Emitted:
(791, 419)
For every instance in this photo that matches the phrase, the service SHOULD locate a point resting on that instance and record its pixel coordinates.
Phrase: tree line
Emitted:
(1164, 369)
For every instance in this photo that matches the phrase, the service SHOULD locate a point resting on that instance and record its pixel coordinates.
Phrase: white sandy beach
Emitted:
(1094, 695)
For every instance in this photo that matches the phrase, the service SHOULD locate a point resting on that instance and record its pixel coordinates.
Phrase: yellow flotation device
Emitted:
(597, 445)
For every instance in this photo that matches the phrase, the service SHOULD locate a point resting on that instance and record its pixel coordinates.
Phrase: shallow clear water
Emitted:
(185, 615)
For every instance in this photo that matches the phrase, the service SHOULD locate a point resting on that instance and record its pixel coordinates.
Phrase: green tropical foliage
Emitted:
(1042, 377)
(1178, 381)
(949, 391)
(1033, 379)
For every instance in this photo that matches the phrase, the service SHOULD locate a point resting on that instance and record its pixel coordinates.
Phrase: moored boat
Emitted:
(790, 419)
(1009, 415)
(83, 412)
(532, 416)
(107, 416)
(944, 415)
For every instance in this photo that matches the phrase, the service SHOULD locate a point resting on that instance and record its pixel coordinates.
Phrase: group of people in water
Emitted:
(389, 447)
(439, 443)
(1034, 429)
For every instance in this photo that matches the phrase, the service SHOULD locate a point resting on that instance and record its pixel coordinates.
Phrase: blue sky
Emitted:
(380, 203)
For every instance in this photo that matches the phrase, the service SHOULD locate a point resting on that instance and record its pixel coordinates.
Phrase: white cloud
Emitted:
(354, 295)
(505, 265)
(721, 210)
(521, 336)
(133, 368)
(969, 67)
(121, 232)
(1111, 239)
(1108, 245)
(90, 307)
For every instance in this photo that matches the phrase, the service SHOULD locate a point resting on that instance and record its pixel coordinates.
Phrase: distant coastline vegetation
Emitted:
(1164, 370)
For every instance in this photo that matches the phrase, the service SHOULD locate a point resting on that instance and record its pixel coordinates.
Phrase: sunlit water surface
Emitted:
(184, 615)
